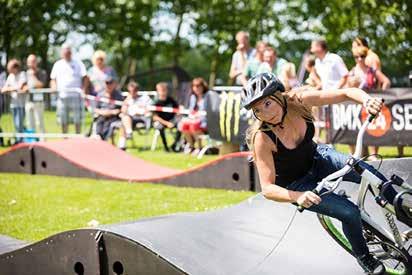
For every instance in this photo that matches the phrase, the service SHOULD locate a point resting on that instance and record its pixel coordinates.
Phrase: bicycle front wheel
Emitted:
(397, 261)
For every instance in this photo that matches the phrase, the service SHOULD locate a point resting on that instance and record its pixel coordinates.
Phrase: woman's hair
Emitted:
(13, 63)
(360, 41)
(360, 51)
(311, 60)
(295, 107)
(203, 83)
(98, 54)
(133, 85)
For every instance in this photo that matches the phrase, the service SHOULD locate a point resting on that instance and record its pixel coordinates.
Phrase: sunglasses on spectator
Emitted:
(109, 82)
(361, 56)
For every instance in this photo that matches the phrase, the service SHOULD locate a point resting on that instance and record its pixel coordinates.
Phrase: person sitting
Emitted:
(196, 125)
(106, 109)
(16, 85)
(163, 120)
(132, 112)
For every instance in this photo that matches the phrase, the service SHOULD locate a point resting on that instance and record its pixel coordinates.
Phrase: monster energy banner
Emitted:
(392, 127)
(226, 120)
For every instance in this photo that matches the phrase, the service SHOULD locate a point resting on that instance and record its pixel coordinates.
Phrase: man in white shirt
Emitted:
(329, 66)
(69, 78)
(243, 54)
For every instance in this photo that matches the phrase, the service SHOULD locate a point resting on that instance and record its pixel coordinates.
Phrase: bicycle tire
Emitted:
(379, 239)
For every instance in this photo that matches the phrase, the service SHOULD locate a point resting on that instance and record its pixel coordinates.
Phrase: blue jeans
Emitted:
(327, 161)
(18, 120)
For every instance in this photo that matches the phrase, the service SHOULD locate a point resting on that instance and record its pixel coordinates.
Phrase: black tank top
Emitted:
(292, 164)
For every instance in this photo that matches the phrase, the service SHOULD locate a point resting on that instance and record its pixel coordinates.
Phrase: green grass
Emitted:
(34, 207)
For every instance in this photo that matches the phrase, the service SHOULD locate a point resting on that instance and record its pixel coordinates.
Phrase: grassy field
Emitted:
(34, 207)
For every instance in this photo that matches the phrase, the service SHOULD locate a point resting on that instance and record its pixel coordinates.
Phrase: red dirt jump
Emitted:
(93, 158)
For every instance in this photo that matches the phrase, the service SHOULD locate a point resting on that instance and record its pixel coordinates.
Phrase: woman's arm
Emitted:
(267, 172)
(316, 80)
(383, 79)
(325, 97)
(267, 176)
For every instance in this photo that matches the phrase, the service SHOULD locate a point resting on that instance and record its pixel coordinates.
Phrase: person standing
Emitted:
(271, 62)
(98, 73)
(372, 59)
(368, 79)
(16, 86)
(329, 66)
(242, 55)
(36, 78)
(253, 64)
(69, 77)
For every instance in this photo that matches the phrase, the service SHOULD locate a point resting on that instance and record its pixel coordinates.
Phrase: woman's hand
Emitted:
(307, 199)
(373, 105)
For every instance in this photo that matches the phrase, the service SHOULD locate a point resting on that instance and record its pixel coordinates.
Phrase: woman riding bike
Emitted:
(290, 163)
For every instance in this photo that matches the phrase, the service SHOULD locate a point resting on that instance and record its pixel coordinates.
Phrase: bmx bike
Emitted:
(392, 247)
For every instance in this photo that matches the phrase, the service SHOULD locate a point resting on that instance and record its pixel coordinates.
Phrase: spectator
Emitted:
(163, 120)
(313, 79)
(132, 112)
(97, 74)
(241, 56)
(193, 127)
(288, 76)
(366, 78)
(107, 110)
(253, 64)
(271, 63)
(2, 81)
(68, 77)
(36, 78)
(329, 66)
(16, 85)
(313, 82)
(372, 59)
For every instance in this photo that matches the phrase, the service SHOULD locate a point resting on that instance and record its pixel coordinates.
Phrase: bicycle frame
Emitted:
(388, 211)
(368, 179)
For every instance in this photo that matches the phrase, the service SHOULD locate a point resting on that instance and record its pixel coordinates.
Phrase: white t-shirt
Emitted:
(68, 74)
(16, 81)
(330, 70)
(135, 105)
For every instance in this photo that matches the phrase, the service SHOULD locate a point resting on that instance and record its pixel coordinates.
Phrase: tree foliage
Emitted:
(201, 39)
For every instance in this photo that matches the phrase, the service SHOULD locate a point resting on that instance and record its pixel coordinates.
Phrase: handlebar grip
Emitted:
(371, 117)
(301, 208)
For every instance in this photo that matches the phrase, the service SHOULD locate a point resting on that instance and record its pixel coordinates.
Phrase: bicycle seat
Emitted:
(403, 207)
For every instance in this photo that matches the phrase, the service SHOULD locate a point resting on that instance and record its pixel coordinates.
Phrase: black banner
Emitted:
(392, 127)
(226, 120)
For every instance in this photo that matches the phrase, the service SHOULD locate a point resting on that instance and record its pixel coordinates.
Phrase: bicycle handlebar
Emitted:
(335, 178)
